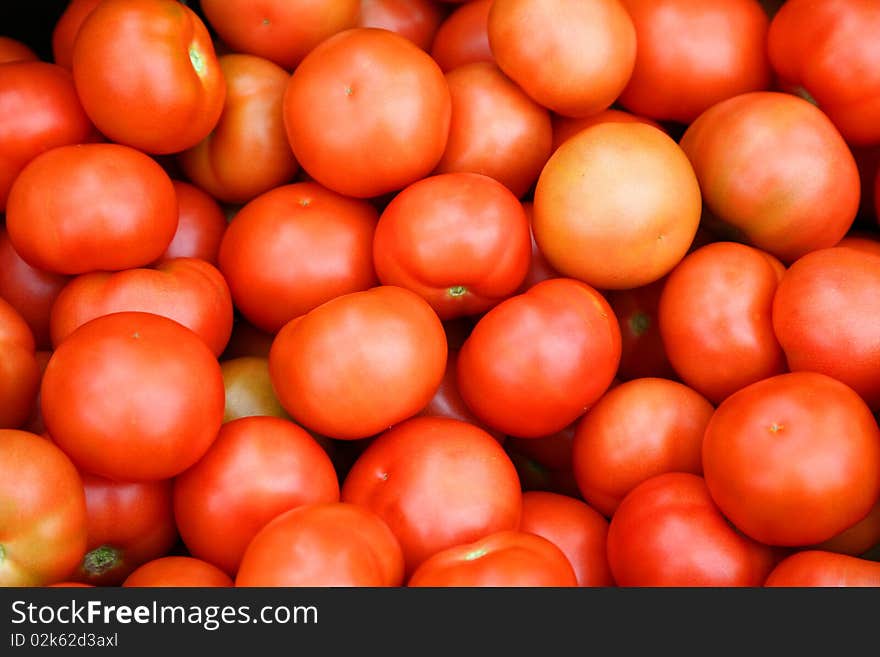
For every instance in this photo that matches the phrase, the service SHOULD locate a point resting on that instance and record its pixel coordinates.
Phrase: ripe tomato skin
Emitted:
(823, 317)
(815, 568)
(383, 95)
(858, 539)
(19, 371)
(167, 93)
(13, 50)
(692, 55)
(392, 366)
(574, 60)
(715, 319)
(805, 194)
(249, 389)
(256, 469)
(458, 240)
(201, 223)
(565, 127)
(247, 152)
(508, 558)
(66, 29)
(133, 396)
(536, 361)
(417, 20)
(575, 528)
(113, 208)
(177, 571)
(778, 451)
(667, 531)
(43, 511)
(438, 483)
(463, 38)
(330, 544)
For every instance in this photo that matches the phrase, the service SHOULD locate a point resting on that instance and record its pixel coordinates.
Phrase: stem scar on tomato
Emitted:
(195, 57)
(100, 560)
(475, 554)
(457, 291)
(639, 323)
(776, 428)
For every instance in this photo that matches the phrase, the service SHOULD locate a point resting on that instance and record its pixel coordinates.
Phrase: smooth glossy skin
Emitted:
(565, 127)
(249, 389)
(247, 152)
(188, 290)
(575, 528)
(458, 240)
(133, 396)
(392, 364)
(295, 247)
(496, 129)
(166, 93)
(823, 317)
(794, 459)
(508, 559)
(19, 371)
(438, 483)
(669, 532)
(387, 102)
(463, 38)
(256, 469)
(417, 20)
(715, 319)
(622, 190)
(333, 544)
(112, 208)
(859, 538)
(693, 54)
(807, 42)
(573, 58)
(178, 572)
(67, 28)
(538, 360)
(805, 194)
(816, 568)
(201, 224)
(13, 50)
(640, 429)
(43, 525)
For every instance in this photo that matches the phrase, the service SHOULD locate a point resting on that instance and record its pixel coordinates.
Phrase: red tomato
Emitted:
(566, 127)
(815, 568)
(133, 396)
(295, 247)
(13, 50)
(247, 340)
(66, 29)
(575, 528)
(417, 20)
(859, 538)
(43, 525)
(438, 483)
(389, 106)
(392, 364)
(575, 59)
(178, 572)
(258, 468)
(667, 531)
(324, 545)
(19, 371)
(508, 558)
(805, 194)
(793, 459)
(538, 360)
(249, 389)
(458, 240)
(166, 92)
(112, 208)
(201, 223)
(463, 38)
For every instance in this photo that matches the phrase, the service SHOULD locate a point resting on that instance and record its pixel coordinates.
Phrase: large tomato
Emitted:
(815, 568)
(19, 371)
(463, 38)
(249, 388)
(177, 571)
(201, 224)
(417, 20)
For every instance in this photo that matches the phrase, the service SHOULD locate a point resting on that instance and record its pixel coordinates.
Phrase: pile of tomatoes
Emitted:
(442, 293)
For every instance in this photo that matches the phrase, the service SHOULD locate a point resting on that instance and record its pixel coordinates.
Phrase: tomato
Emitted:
(43, 525)
(692, 55)
(640, 429)
(295, 247)
(438, 483)
(13, 50)
(622, 190)
(282, 31)
(417, 20)
(508, 558)
(392, 364)
(545, 463)
(458, 240)
(247, 340)
(794, 459)
(247, 152)
(19, 371)
(496, 129)
(129, 524)
(826, 50)
(823, 315)
(249, 389)
(463, 38)
(539, 268)
(324, 545)
(147, 75)
(859, 538)
(177, 571)
(667, 531)
(565, 127)
(642, 351)
(133, 396)
(575, 528)
(538, 360)
(39, 110)
(715, 319)
(815, 568)
(35, 422)
(389, 106)
(805, 194)
(112, 208)
(66, 29)
(575, 59)
(862, 242)
(188, 290)
(877, 195)
(201, 223)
